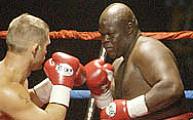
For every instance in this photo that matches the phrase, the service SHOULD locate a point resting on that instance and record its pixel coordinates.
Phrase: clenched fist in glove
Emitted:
(61, 69)
(98, 79)
(125, 109)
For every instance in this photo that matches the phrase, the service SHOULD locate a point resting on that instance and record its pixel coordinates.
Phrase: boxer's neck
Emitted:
(18, 65)
(133, 38)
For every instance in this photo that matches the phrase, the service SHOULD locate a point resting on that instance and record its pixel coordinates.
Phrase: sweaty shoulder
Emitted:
(154, 59)
(147, 47)
(13, 97)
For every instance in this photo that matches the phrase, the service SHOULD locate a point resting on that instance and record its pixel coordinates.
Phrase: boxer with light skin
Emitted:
(27, 40)
(147, 84)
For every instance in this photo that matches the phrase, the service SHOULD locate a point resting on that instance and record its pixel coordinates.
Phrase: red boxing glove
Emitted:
(117, 110)
(98, 79)
(80, 76)
(125, 109)
(61, 70)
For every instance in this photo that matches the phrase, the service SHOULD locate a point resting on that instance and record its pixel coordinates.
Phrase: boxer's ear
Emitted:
(35, 49)
(130, 27)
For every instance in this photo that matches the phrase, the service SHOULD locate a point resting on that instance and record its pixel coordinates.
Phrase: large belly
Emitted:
(130, 84)
(134, 87)
(131, 90)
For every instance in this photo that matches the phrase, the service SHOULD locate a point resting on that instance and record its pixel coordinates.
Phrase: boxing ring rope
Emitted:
(72, 34)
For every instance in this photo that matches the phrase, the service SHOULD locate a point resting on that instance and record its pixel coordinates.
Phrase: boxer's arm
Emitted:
(35, 99)
(33, 95)
(40, 93)
(19, 106)
(158, 66)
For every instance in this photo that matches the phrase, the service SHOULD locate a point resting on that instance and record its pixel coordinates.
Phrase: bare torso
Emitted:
(130, 82)
(11, 92)
(7, 93)
(3, 115)
(126, 84)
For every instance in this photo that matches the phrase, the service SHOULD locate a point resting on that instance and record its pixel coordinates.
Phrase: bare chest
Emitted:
(129, 81)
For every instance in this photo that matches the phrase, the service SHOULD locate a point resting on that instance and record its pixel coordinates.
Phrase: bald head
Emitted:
(117, 13)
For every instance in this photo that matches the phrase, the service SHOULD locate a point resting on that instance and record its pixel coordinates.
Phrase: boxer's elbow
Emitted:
(176, 90)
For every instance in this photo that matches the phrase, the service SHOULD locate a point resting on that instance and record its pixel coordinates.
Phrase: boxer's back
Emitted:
(13, 98)
(8, 92)
(3, 114)
(131, 81)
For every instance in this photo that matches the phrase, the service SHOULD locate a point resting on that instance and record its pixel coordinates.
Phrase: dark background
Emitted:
(82, 15)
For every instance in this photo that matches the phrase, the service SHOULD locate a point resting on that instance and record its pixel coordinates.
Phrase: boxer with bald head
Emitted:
(147, 84)
(27, 40)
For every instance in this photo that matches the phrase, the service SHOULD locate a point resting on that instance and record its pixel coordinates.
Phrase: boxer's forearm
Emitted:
(35, 99)
(58, 112)
(33, 96)
(163, 94)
